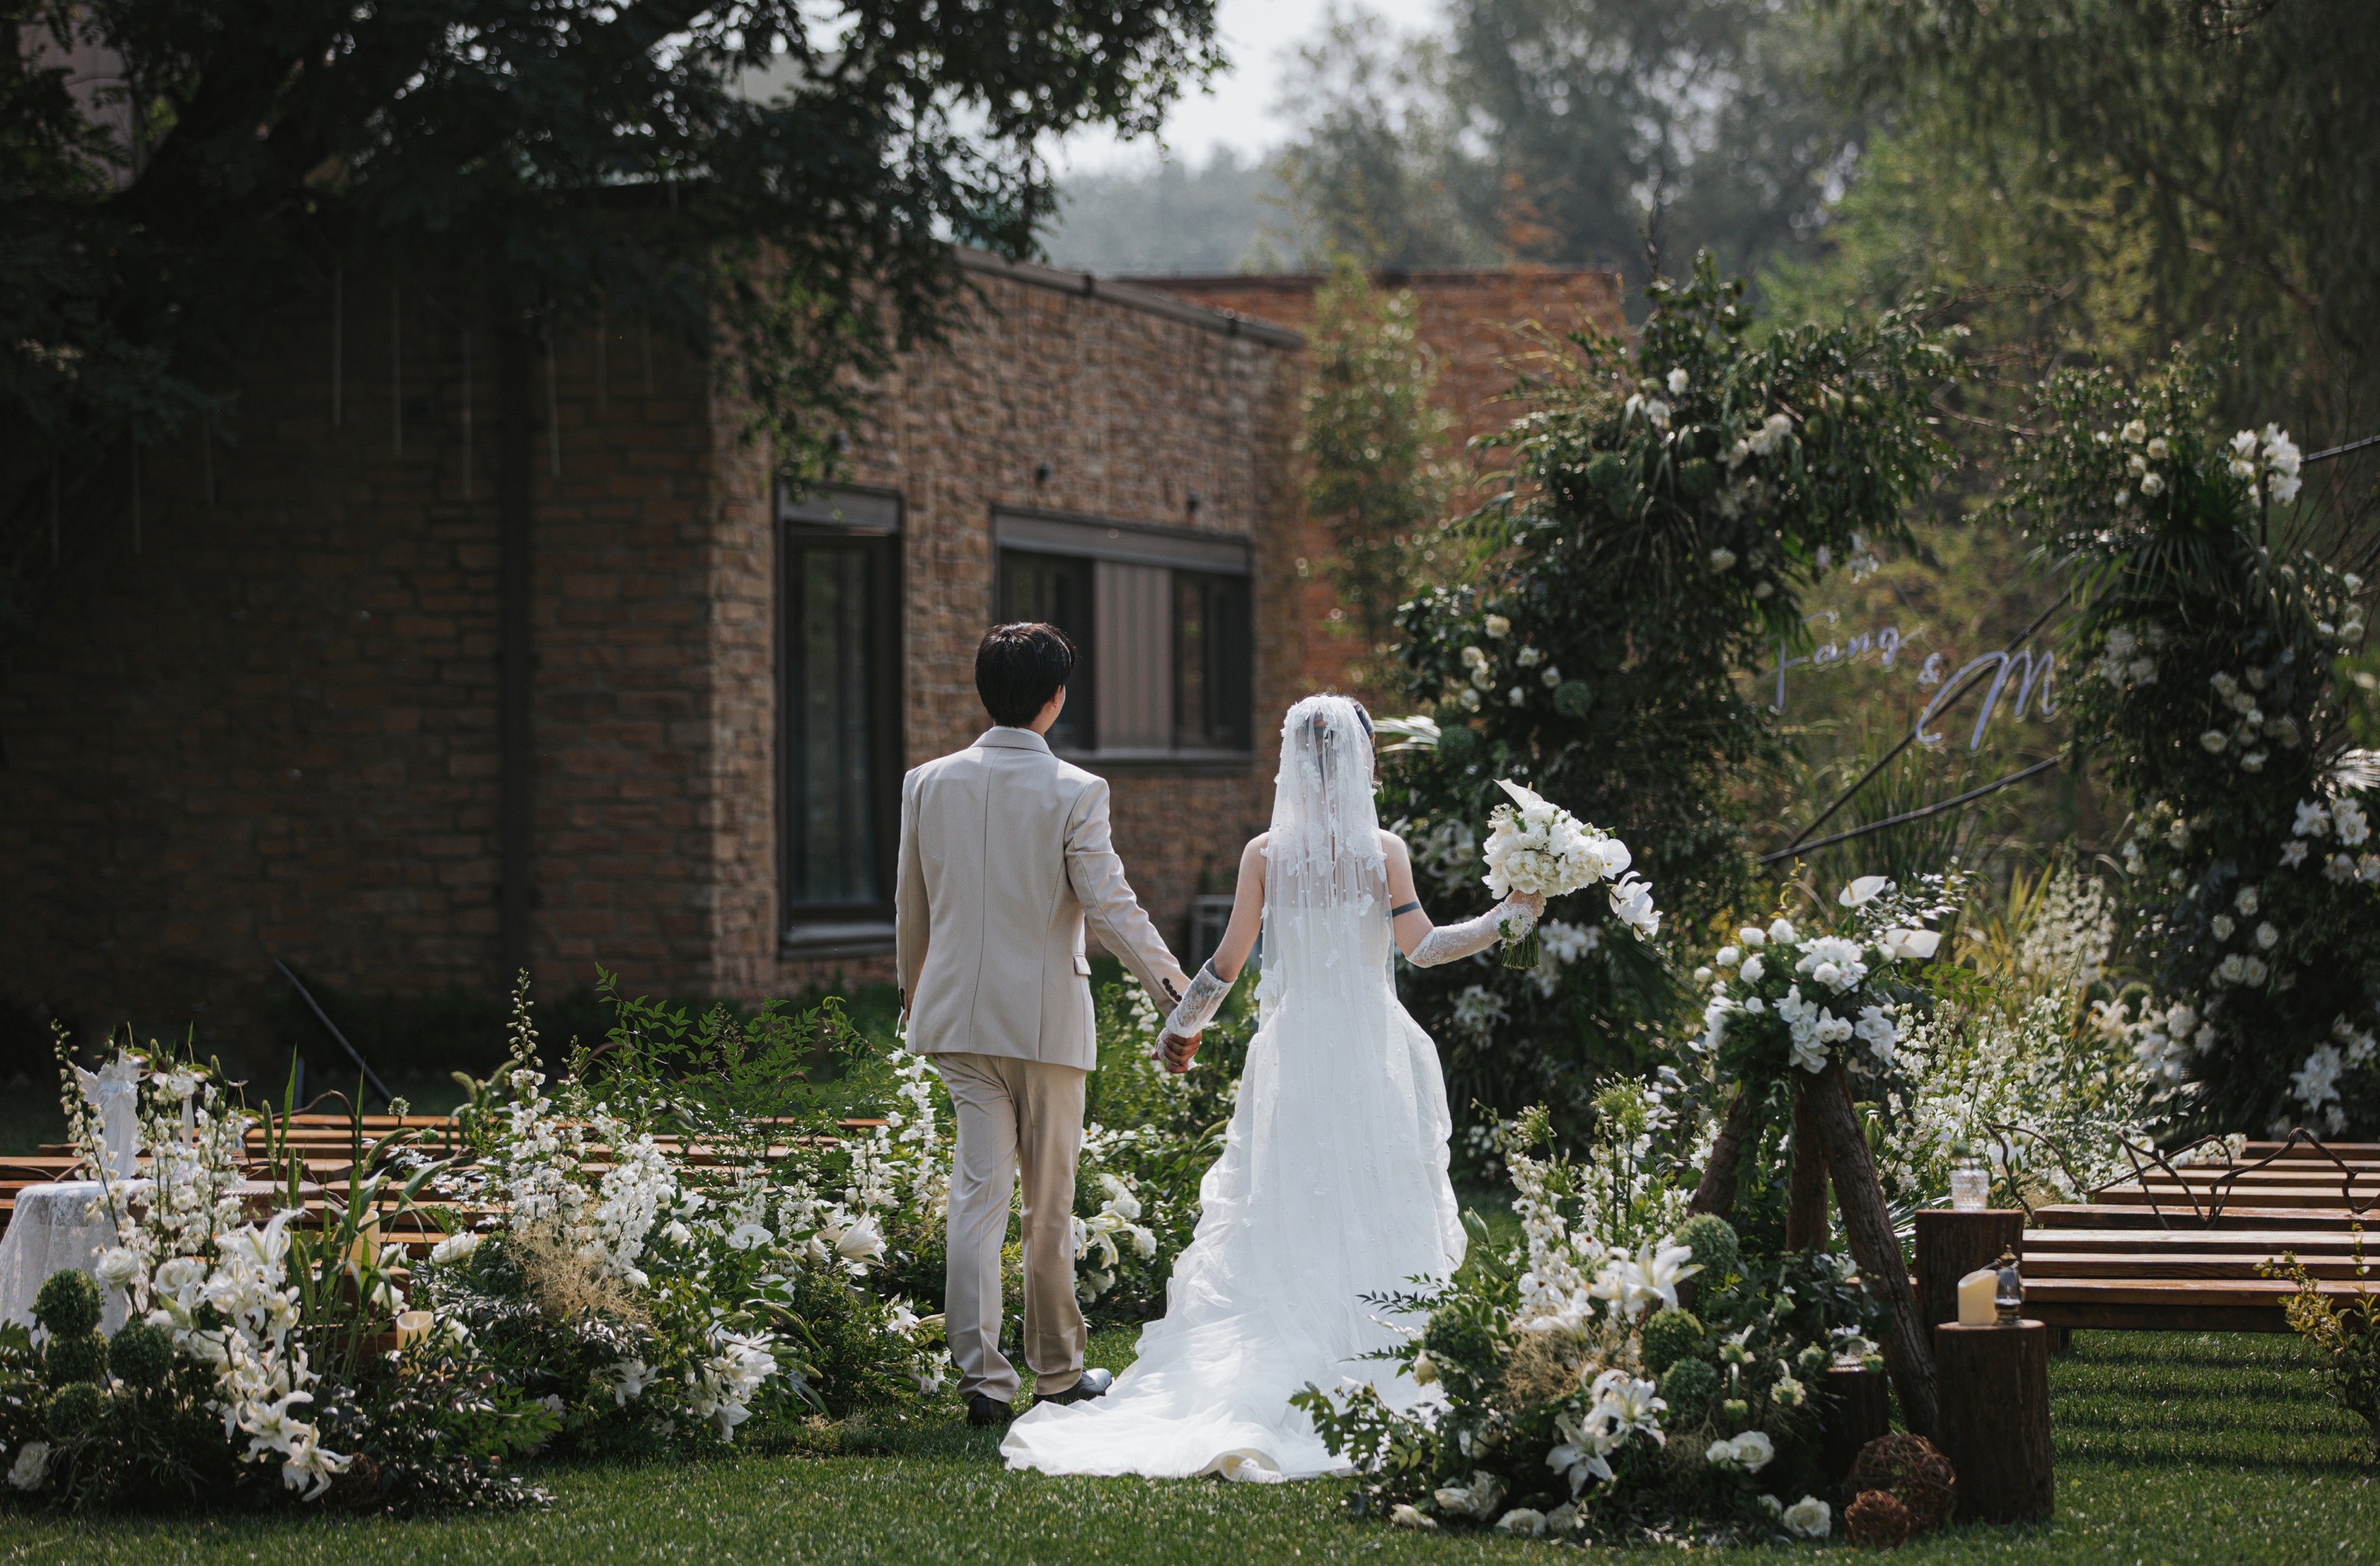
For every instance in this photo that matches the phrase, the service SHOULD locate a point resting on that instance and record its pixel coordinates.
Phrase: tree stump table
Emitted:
(1859, 1409)
(1951, 1244)
(1994, 1386)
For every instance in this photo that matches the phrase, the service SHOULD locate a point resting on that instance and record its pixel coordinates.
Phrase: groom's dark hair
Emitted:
(1018, 668)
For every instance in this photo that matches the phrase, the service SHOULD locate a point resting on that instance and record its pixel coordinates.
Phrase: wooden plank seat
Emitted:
(2185, 1249)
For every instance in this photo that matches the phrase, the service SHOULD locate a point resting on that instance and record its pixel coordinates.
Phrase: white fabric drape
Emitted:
(52, 1229)
(1332, 1182)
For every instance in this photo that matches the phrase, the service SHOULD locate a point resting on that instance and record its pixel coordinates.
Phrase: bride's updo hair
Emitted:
(1316, 730)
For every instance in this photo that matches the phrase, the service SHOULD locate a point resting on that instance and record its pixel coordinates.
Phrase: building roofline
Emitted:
(1286, 282)
(1131, 295)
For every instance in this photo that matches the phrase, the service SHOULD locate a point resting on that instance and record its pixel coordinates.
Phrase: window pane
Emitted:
(1057, 589)
(1135, 661)
(834, 780)
(1213, 662)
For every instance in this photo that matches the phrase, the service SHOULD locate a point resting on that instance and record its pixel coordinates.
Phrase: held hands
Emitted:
(1174, 1052)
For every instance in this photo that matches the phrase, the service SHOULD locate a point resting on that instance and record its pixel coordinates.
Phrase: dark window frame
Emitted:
(869, 521)
(1185, 553)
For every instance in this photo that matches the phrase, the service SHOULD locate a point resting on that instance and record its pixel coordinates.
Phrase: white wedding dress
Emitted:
(1333, 1184)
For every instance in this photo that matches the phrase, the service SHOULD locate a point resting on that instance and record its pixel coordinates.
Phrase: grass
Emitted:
(2173, 1447)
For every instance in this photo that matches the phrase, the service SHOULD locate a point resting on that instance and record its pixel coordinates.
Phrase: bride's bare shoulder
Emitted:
(1393, 846)
(1259, 846)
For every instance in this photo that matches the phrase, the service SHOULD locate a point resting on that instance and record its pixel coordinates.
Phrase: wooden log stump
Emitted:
(1994, 1383)
(1951, 1244)
(1859, 1409)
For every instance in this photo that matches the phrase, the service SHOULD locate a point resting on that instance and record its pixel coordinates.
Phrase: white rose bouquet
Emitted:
(1536, 845)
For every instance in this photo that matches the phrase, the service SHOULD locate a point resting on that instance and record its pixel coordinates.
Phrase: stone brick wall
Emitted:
(1479, 327)
(265, 726)
(1131, 412)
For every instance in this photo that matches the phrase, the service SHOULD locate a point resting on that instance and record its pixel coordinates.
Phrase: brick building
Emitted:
(265, 726)
(1476, 324)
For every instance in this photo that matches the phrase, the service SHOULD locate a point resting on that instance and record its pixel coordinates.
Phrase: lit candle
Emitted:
(1979, 1297)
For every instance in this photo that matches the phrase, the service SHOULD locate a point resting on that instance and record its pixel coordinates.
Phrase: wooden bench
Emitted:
(2185, 1249)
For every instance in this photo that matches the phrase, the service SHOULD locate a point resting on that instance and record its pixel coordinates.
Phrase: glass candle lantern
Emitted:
(1971, 1183)
(2009, 1297)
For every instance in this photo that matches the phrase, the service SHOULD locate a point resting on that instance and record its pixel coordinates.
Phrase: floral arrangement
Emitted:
(2213, 684)
(248, 1367)
(1674, 494)
(1786, 997)
(671, 1242)
(1536, 846)
(1583, 1393)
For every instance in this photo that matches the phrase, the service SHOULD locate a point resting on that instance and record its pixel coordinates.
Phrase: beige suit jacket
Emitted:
(1004, 855)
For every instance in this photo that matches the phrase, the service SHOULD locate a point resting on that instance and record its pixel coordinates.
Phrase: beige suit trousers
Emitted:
(1013, 1115)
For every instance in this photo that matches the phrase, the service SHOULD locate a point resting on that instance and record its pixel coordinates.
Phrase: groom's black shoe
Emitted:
(1094, 1384)
(983, 1411)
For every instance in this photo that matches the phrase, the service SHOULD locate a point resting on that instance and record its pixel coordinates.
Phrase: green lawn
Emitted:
(2171, 1449)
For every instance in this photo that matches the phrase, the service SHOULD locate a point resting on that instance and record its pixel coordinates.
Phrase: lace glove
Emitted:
(1448, 943)
(1198, 1003)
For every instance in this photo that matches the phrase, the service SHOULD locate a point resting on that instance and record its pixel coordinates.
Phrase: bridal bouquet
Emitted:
(1536, 845)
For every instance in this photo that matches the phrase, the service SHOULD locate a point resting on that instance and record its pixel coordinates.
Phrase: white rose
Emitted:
(1810, 1517)
(117, 1268)
(2267, 937)
(1726, 956)
(32, 1467)
(1752, 968)
(1753, 937)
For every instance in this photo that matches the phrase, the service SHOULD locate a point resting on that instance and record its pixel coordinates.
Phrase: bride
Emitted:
(1332, 1181)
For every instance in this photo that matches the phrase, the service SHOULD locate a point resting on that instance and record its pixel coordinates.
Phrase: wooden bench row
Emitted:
(2188, 1249)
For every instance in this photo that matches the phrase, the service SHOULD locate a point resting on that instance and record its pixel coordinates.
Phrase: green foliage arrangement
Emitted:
(1675, 495)
(2210, 681)
(1583, 1395)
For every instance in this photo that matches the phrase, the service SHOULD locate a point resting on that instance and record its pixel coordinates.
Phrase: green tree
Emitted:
(777, 181)
(2147, 171)
(1372, 447)
(1570, 132)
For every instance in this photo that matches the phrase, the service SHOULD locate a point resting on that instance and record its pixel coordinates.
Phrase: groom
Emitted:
(1004, 855)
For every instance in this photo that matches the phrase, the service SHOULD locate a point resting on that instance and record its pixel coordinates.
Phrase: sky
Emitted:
(1238, 110)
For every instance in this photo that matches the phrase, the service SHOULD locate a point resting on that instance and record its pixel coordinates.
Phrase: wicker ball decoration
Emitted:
(1915, 1473)
(1876, 1520)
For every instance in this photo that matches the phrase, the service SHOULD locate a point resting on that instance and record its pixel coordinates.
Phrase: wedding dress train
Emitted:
(1332, 1182)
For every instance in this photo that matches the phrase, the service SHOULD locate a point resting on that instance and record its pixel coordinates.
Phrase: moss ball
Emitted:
(74, 1411)
(69, 1303)
(1457, 747)
(1606, 469)
(1572, 697)
(1713, 1242)
(1688, 1388)
(142, 1355)
(81, 1357)
(1670, 1336)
